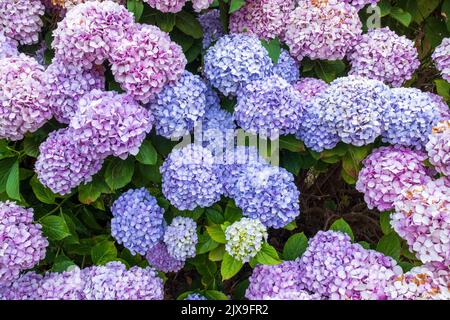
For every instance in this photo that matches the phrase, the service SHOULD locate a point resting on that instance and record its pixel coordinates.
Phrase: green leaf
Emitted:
(54, 227)
(364, 244)
(165, 21)
(41, 192)
(329, 70)
(147, 153)
(268, 255)
(73, 238)
(206, 244)
(232, 213)
(216, 233)
(217, 253)
(215, 216)
(103, 252)
(193, 52)
(12, 182)
(385, 222)
(188, 24)
(119, 173)
(89, 193)
(291, 143)
(62, 263)
(295, 246)
(235, 5)
(291, 226)
(230, 266)
(390, 245)
(136, 7)
(443, 89)
(425, 8)
(446, 12)
(273, 48)
(342, 226)
(215, 295)
(401, 16)
(31, 146)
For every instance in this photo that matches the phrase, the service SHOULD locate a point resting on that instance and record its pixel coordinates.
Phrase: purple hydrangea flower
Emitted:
(173, 6)
(212, 27)
(181, 238)
(200, 5)
(410, 117)
(189, 179)
(310, 87)
(159, 258)
(235, 60)
(66, 285)
(268, 194)
(179, 106)
(359, 4)
(218, 128)
(441, 57)
(21, 20)
(287, 67)
(23, 103)
(438, 147)
(387, 172)
(22, 244)
(324, 30)
(422, 218)
(442, 105)
(71, 3)
(114, 124)
(145, 61)
(23, 288)
(269, 107)
(66, 84)
(138, 221)
(383, 55)
(64, 163)
(294, 295)
(195, 296)
(8, 47)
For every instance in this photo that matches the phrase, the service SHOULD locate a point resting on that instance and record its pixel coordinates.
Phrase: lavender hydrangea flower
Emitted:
(39, 54)
(138, 221)
(179, 106)
(441, 57)
(268, 194)
(89, 32)
(444, 110)
(21, 19)
(310, 87)
(212, 27)
(294, 295)
(145, 61)
(337, 269)
(200, 5)
(359, 4)
(68, 4)
(173, 6)
(236, 60)
(64, 164)
(8, 47)
(195, 296)
(189, 179)
(438, 147)
(269, 107)
(218, 128)
(422, 218)
(114, 282)
(181, 238)
(23, 104)
(22, 244)
(410, 117)
(66, 285)
(322, 30)
(114, 124)
(264, 18)
(159, 258)
(245, 238)
(383, 55)
(387, 172)
(287, 67)
(66, 84)
(23, 288)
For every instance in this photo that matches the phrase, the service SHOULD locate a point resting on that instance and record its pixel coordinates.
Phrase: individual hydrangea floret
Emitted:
(236, 60)
(189, 179)
(441, 57)
(287, 67)
(269, 107)
(195, 296)
(172, 6)
(64, 164)
(212, 27)
(265, 18)
(245, 238)
(200, 5)
(159, 258)
(145, 61)
(268, 194)
(138, 221)
(22, 244)
(23, 98)
(383, 55)
(359, 4)
(324, 30)
(114, 124)
(181, 238)
(310, 87)
(422, 218)
(21, 20)
(438, 147)
(66, 84)
(410, 117)
(179, 106)
(8, 46)
(387, 172)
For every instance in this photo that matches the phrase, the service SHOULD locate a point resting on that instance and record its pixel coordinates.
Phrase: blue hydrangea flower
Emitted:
(287, 67)
(181, 238)
(212, 27)
(195, 296)
(218, 128)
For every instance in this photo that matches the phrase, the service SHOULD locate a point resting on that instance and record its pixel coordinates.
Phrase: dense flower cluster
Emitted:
(21, 20)
(71, 3)
(359, 4)
(264, 18)
(181, 238)
(422, 218)
(310, 87)
(138, 221)
(441, 57)
(23, 99)
(383, 55)
(159, 258)
(200, 5)
(287, 67)
(217, 129)
(195, 296)
(387, 172)
(269, 107)
(236, 60)
(22, 244)
(173, 6)
(212, 27)
(438, 147)
(8, 47)
(324, 30)
(443, 107)
(245, 238)
(189, 179)
(23, 288)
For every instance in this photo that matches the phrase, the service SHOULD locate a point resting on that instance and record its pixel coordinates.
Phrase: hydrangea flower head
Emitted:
(181, 238)
(359, 4)
(212, 27)
(159, 258)
(287, 67)
(438, 147)
(441, 57)
(8, 47)
(172, 6)
(195, 296)
(310, 87)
